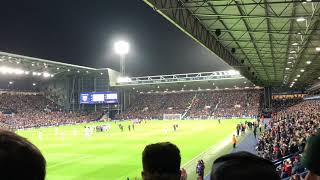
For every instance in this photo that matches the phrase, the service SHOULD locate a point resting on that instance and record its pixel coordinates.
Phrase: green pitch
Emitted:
(116, 155)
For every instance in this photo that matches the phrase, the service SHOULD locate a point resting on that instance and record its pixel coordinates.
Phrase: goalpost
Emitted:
(172, 116)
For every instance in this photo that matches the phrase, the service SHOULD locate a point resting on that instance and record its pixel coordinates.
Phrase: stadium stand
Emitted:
(202, 105)
(26, 110)
(287, 137)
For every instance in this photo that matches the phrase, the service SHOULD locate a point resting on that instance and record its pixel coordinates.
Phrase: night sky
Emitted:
(82, 32)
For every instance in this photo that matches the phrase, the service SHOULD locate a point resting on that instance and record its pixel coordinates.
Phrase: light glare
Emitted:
(121, 47)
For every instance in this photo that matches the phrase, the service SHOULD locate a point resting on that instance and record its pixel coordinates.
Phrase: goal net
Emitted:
(171, 116)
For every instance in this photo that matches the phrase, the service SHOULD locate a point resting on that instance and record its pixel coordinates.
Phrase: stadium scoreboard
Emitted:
(98, 97)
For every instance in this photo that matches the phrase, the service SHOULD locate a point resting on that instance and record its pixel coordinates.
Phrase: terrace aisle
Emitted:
(247, 144)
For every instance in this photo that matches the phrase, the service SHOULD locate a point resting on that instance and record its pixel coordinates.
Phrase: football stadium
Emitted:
(259, 118)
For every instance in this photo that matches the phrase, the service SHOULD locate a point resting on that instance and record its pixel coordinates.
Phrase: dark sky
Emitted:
(82, 32)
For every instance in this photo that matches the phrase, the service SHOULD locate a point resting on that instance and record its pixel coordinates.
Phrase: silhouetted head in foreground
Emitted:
(20, 159)
(243, 165)
(161, 161)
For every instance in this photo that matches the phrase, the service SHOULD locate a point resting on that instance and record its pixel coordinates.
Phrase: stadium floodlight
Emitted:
(8, 70)
(122, 48)
(123, 80)
(34, 84)
(298, 75)
(302, 70)
(308, 62)
(233, 72)
(318, 49)
(287, 68)
(10, 82)
(45, 74)
(18, 71)
(301, 19)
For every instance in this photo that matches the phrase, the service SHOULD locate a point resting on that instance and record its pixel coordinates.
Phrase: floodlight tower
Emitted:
(122, 48)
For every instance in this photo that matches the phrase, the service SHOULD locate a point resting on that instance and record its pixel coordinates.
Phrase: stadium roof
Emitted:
(188, 86)
(40, 67)
(271, 42)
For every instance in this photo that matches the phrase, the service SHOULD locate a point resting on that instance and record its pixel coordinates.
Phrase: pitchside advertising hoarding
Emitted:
(98, 97)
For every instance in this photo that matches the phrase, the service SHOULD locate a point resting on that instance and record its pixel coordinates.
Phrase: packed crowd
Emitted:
(290, 129)
(25, 111)
(282, 104)
(228, 103)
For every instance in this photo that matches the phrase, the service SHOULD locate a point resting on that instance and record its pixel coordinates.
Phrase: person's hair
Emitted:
(161, 161)
(19, 158)
(243, 165)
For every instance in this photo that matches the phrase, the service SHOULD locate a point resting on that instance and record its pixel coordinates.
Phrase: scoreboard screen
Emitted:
(98, 97)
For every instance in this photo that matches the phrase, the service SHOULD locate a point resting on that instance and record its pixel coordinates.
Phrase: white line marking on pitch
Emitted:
(217, 147)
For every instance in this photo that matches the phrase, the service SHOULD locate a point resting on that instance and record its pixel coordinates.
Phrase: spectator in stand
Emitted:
(161, 161)
(243, 165)
(20, 159)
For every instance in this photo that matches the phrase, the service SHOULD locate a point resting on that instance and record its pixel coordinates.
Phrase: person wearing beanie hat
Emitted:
(311, 157)
(243, 165)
